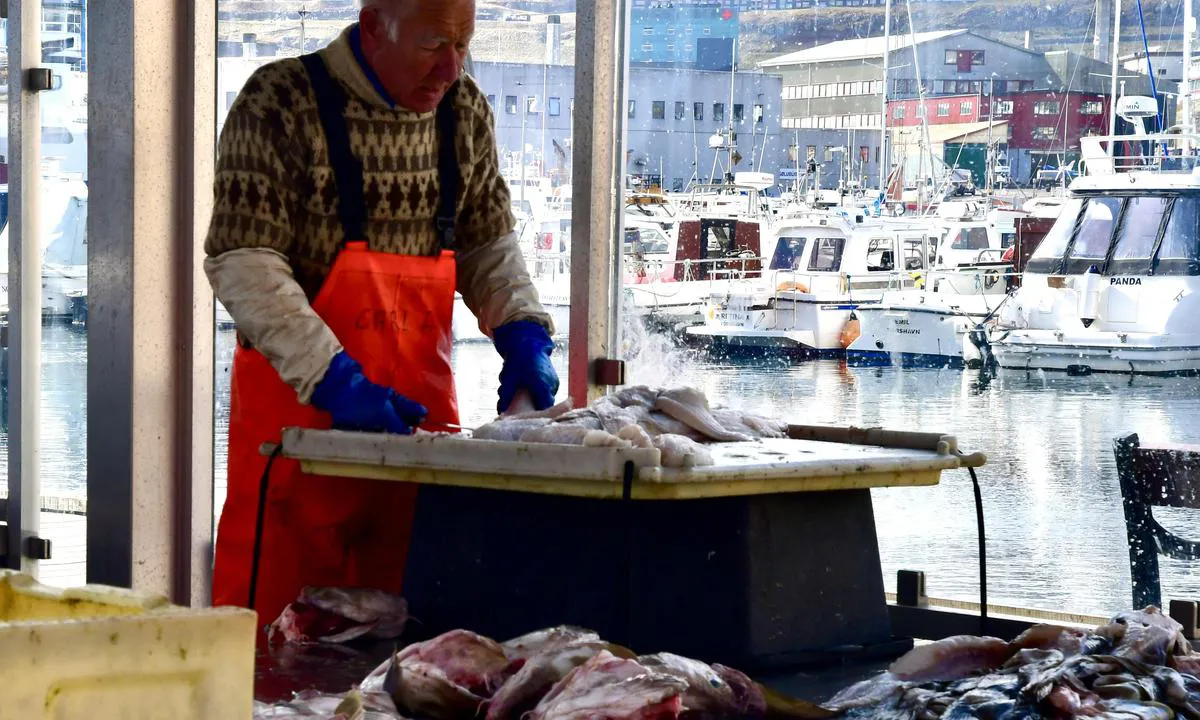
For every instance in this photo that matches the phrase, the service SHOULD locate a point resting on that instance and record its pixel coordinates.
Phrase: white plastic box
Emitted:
(99, 652)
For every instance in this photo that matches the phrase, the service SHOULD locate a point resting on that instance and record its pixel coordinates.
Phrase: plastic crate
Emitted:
(102, 652)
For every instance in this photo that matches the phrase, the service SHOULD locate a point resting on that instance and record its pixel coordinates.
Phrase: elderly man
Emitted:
(356, 189)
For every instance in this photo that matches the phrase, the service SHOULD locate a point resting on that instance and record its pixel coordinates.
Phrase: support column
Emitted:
(25, 288)
(1102, 40)
(152, 120)
(596, 194)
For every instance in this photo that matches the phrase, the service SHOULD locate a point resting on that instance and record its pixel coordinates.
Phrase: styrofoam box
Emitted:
(102, 652)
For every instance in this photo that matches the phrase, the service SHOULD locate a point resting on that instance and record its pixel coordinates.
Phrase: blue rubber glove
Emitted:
(356, 403)
(525, 347)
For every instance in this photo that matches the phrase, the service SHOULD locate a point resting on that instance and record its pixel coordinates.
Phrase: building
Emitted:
(700, 35)
(839, 86)
(671, 116)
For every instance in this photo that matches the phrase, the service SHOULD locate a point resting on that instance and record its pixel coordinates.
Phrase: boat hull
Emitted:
(1084, 353)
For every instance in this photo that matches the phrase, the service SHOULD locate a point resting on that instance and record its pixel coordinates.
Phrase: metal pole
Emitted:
(524, 112)
(303, 15)
(1189, 22)
(1116, 62)
(25, 273)
(883, 100)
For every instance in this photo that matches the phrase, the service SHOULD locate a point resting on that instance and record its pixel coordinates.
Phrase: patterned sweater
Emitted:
(274, 191)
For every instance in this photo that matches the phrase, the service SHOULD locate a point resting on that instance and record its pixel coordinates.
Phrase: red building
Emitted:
(1047, 122)
(943, 110)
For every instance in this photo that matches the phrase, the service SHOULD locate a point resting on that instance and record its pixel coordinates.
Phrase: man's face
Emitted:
(419, 52)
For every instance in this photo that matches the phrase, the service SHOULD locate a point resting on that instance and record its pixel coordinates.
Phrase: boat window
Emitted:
(787, 253)
(913, 255)
(1180, 250)
(827, 254)
(1047, 258)
(881, 255)
(1139, 229)
(971, 239)
(1094, 235)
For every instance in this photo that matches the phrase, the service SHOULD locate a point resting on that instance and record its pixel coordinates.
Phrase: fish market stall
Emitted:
(758, 552)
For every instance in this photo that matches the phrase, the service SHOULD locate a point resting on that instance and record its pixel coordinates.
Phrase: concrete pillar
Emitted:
(151, 117)
(1102, 40)
(553, 40)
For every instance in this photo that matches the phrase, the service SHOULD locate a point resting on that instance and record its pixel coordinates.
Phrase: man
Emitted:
(356, 189)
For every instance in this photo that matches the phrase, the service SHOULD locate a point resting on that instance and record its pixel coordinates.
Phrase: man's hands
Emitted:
(356, 403)
(525, 347)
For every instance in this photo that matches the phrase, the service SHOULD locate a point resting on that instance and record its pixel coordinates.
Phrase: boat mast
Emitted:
(912, 34)
(883, 100)
(1189, 22)
(1116, 63)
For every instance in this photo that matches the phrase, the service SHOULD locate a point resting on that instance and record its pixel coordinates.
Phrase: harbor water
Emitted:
(1055, 526)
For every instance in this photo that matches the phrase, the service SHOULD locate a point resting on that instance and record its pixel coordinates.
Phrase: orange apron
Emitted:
(393, 314)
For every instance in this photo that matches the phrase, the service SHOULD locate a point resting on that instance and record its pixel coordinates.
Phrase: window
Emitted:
(827, 254)
(951, 57)
(758, 113)
(828, 153)
(648, 47)
(689, 47)
(977, 57)
(554, 107)
(671, 30)
(680, 109)
(1094, 233)
(971, 238)
(1139, 228)
(510, 104)
(1047, 258)
(788, 252)
(898, 112)
(698, 111)
(881, 255)
(632, 105)
(943, 109)
(492, 100)
(718, 112)
(648, 31)
(1004, 107)
(531, 106)
(1091, 107)
(1045, 133)
(812, 152)
(864, 153)
(706, 31)
(658, 110)
(1181, 240)
(670, 47)
(966, 107)
(1047, 107)
(739, 112)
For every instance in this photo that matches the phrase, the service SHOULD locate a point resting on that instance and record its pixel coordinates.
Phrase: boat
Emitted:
(928, 326)
(1115, 284)
(824, 266)
(63, 209)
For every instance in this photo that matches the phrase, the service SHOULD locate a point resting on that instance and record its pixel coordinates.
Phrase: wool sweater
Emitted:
(275, 232)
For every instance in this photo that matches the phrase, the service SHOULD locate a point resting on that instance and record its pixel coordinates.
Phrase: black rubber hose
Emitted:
(263, 486)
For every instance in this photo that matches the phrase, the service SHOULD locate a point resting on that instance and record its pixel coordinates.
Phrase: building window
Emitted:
(698, 111)
(943, 109)
(688, 30)
(492, 100)
(718, 112)
(510, 104)
(554, 107)
(877, 154)
(531, 107)
(758, 113)
(1047, 107)
(648, 47)
(898, 112)
(689, 47)
(648, 31)
(706, 31)
(1091, 107)
(828, 153)
(670, 47)
(966, 107)
(658, 110)
(671, 30)
(1004, 107)
(1045, 133)
(864, 153)
(812, 152)
(680, 109)
(632, 105)
(739, 112)
(951, 57)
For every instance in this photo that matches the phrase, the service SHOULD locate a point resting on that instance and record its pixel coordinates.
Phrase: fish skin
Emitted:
(387, 612)
(539, 672)
(709, 694)
(612, 688)
(951, 658)
(1071, 641)
(449, 677)
(539, 641)
(865, 693)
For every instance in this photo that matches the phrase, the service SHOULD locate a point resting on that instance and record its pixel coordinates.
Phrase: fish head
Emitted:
(748, 698)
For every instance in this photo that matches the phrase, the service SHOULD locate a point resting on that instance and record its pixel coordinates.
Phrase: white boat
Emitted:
(1115, 285)
(928, 326)
(823, 268)
(63, 209)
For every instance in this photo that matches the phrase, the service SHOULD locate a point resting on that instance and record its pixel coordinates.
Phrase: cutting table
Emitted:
(768, 557)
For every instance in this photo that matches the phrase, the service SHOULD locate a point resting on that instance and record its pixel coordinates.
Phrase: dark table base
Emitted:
(756, 582)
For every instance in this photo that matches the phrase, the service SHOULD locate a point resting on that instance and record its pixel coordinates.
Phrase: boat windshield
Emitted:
(970, 238)
(787, 253)
(646, 241)
(827, 254)
(1139, 228)
(1047, 258)
(1179, 253)
(1094, 234)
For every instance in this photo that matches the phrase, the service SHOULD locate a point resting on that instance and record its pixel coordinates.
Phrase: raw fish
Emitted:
(951, 658)
(446, 678)
(539, 673)
(336, 615)
(612, 688)
(539, 641)
(508, 429)
(682, 452)
(713, 692)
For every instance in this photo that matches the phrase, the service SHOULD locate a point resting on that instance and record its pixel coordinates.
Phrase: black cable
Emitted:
(983, 616)
(264, 484)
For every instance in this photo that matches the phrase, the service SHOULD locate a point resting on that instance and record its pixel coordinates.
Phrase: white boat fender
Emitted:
(1089, 295)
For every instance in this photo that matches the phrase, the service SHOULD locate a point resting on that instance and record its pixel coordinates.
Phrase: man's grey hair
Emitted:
(396, 10)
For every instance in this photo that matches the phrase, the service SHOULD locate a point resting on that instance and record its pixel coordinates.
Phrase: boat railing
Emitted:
(545, 265)
(1170, 153)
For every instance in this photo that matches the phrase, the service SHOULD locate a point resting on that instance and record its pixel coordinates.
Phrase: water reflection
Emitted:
(1056, 536)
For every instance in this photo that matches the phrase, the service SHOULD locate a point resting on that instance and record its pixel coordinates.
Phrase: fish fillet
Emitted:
(952, 658)
(509, 429)
(698, 418)
(678, 451)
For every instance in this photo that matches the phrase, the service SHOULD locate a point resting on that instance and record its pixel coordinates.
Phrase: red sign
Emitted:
(726, 13)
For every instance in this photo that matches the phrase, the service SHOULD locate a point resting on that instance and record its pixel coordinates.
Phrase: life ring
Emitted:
(791, 285)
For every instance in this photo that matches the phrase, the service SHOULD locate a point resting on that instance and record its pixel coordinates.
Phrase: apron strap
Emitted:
(347, 169)
(448, 171)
